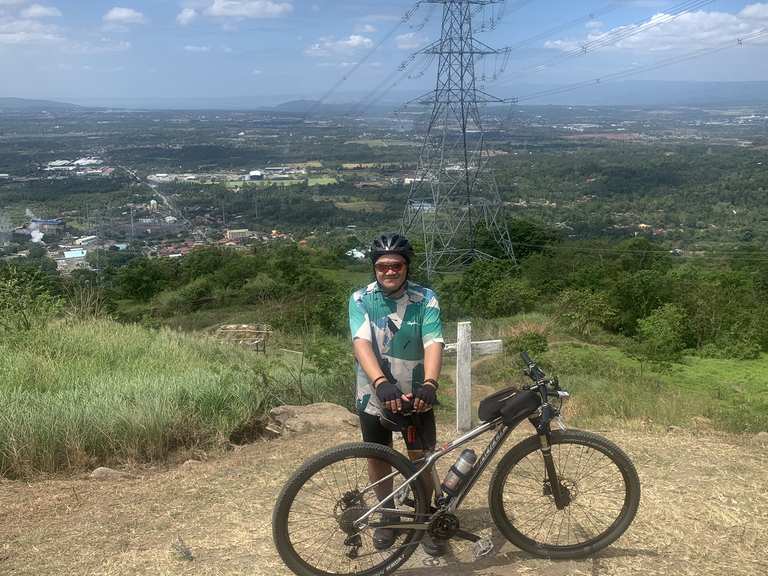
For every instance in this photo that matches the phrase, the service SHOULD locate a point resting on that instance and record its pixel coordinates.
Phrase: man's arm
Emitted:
(367, 359)
(370, 365)
(433, 363)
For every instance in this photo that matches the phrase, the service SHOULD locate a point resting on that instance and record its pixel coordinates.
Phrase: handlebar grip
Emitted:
(526, 358)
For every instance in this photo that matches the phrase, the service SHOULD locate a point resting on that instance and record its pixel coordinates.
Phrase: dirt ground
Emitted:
(704, 511)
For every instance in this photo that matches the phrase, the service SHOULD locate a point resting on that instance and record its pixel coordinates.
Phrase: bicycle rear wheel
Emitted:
(601, 484)
(312, 523)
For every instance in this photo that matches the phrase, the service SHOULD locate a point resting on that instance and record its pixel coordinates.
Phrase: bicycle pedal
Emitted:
(482, 547)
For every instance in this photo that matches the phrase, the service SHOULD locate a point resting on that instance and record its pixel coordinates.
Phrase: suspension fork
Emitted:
(561, 497)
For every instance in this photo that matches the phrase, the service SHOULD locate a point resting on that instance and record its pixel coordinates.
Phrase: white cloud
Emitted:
(197, 49)
(367, 28)
(249, 8)
(40, 11)
(329, 46)
(103, 46)
(17, 32)
(689, 31)
(119, 15)
(186, 16)
(409, 41)
(257, 72)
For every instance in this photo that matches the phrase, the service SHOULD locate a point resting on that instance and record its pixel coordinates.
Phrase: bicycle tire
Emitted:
(562, 444)
(314, 466)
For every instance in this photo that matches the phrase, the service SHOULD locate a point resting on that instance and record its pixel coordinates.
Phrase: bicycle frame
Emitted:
(540, 419)
(502, 431)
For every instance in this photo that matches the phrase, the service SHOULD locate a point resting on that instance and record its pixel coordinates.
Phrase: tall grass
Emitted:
(97, 392)
(608, 386)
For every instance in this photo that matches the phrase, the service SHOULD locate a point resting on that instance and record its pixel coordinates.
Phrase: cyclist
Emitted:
(398, 342)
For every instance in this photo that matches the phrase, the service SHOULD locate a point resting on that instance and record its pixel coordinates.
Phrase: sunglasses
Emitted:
(394, 267)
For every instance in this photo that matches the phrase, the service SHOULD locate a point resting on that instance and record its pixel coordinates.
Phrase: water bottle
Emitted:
(459, 472)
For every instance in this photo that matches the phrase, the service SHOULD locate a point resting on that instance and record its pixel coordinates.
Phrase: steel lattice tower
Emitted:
(453, 192)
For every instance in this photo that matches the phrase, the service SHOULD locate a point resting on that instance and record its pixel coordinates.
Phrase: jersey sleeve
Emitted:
(359, 323)
(432, 326)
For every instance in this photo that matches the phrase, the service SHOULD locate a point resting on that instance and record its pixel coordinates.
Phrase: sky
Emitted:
(267, 51)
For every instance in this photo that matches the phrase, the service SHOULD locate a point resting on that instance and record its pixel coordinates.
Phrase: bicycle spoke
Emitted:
(593, 485)
(325, 506)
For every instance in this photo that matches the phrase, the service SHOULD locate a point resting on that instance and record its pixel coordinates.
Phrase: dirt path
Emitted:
(704, 511)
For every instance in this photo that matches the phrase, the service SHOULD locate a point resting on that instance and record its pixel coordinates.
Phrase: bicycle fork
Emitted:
(561, 496)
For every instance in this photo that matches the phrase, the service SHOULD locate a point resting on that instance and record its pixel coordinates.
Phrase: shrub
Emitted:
(660, 334)
(25, 301)
(581, 310)
(509, 297)
(534, 343)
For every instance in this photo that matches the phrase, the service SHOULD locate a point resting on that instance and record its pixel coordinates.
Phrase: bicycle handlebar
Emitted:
(533, 371)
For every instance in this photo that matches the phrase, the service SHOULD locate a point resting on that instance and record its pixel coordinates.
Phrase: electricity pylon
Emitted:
(454, 193)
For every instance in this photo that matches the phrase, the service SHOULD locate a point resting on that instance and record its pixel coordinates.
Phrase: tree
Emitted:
(581, 310)
(660, 334)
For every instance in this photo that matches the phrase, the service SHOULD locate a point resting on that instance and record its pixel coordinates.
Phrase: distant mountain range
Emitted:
(644, 93)
(628, 93)
(23, 104)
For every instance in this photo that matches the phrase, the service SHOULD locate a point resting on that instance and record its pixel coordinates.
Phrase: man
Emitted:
(398, 341)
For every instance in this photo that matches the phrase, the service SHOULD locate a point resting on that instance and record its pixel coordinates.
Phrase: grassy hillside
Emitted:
(607, 385)
(81, 394)
(87, 393)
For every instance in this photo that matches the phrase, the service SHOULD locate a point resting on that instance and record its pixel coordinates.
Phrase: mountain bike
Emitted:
(556, 494)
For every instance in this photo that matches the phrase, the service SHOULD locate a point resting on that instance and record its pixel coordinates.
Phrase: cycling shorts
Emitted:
(422, 436)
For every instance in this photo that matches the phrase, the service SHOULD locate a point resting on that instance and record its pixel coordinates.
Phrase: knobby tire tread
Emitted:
(314, 465)
(532, 444)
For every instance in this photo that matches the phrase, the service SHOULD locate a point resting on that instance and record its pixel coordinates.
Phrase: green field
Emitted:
(321, 180)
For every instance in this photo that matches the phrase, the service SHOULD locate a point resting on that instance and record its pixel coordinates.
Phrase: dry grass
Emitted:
(704, 511)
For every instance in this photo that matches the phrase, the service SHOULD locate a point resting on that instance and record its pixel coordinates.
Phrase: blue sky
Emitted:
(270, 50)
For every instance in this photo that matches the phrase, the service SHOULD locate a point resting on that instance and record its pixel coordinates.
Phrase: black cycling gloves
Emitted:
(427, 394)
(388, 392)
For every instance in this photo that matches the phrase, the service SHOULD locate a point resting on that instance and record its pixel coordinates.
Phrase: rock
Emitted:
(104, 473)
(672, 429)
(761, 438)
(294, 420)
(191, 463)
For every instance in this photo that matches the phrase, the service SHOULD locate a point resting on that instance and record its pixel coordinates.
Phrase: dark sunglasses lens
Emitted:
(384, 267)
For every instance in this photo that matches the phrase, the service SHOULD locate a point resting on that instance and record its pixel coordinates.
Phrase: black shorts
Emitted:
(422, 436)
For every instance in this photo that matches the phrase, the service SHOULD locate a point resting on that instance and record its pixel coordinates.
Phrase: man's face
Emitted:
(390, 271)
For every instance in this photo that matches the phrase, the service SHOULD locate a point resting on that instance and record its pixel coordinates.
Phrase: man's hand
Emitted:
(390, 396)
(425, 397)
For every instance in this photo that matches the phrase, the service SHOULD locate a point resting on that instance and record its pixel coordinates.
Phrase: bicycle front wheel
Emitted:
(600, 483)
(313, 523)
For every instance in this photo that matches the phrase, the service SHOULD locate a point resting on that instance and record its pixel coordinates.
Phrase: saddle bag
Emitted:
(511, 403)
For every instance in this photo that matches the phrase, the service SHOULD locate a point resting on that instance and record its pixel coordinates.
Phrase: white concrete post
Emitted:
(464, 377)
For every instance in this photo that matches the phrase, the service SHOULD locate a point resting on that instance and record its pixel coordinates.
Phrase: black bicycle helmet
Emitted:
(392, 243)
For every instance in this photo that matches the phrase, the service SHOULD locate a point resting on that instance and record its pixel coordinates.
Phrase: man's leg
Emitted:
(373, 431)
(419, 442)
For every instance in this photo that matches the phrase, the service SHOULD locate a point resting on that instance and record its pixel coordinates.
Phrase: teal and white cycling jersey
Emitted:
(399, 330)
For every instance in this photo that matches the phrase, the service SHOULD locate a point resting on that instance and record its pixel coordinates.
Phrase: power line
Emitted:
(649, 67)
(622, 33)
(405, 19)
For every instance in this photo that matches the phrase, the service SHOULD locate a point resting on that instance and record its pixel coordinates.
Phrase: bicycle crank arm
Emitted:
(464, 535)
